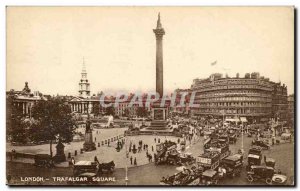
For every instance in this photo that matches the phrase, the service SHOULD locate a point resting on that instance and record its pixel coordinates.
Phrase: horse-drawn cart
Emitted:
(43, 160)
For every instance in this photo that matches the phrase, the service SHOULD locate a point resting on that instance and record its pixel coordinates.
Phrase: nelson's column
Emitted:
(159, 113)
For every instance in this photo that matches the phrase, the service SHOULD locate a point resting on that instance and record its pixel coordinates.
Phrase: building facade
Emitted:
(291, 109)
(252, 96)
(23, 100)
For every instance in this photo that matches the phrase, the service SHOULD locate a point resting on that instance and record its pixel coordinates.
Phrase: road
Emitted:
(150, 174)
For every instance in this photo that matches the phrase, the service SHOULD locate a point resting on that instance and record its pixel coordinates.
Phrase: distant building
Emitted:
(24, 100)
(252, 97)
(291, 108)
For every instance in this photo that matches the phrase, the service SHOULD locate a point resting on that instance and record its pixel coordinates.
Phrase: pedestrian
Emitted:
(131, 160)
(72, 160)
(158, 140)
(152, 148)
(134, 162)
(96, 160)
(155, 140)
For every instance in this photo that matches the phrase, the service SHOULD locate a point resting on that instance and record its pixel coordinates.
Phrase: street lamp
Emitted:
(126, 167)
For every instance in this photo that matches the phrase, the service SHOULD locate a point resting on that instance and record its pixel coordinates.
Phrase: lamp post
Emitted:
(242, 149)
(126, 167)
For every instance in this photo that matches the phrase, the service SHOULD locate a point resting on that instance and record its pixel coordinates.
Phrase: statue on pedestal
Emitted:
(88, 144)
(60, 152)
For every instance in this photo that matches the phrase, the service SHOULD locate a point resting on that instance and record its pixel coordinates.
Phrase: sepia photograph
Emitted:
(150, 96)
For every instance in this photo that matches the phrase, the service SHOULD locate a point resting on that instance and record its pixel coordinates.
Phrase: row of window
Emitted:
(258, 99)
(211, 88)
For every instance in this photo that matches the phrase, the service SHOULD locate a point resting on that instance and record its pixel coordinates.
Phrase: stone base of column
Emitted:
(88, 144)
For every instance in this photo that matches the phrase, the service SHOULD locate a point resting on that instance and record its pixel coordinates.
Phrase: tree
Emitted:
(53, 120)
(96, 109)
(16, 127)
(110, 111)
(142, 112)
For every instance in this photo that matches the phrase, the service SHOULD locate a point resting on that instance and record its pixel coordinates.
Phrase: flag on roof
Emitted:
(214, 63)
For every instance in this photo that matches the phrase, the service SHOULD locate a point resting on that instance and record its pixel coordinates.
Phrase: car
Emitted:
(261, 143)
(270, 162)
(260, 173)
(209, 177)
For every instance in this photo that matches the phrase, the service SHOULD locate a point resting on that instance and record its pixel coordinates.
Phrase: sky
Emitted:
(46, 46)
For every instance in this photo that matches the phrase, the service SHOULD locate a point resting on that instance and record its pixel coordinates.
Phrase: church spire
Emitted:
(84, 85)
(83, 66)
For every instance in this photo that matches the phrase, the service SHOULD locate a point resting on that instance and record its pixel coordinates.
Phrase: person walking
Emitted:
(152, 148)
(96, 160)
(72, 160)
(134, 162)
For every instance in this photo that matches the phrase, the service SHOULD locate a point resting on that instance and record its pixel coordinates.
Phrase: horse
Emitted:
(107, 167)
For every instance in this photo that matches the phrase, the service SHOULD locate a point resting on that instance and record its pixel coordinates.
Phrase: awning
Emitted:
(232, 120)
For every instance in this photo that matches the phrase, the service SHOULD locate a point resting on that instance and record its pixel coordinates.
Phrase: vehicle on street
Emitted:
(261, 143)
(184, 177)
(43, 160)
(209, 177)
(233, 165)
(270, 162)
(167, 153)
(254, 156)
(82, 167)
(209, 160)
(260, 173)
